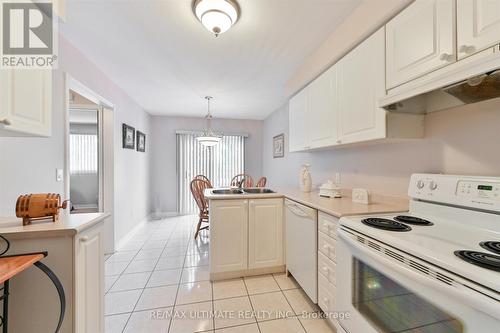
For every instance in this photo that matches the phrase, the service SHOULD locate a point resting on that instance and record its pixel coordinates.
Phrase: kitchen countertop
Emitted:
(337, 207)
(67, 225)
(344, 206)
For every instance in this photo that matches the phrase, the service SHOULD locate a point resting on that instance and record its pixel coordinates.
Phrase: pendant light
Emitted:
(216, 15)
(209, 138)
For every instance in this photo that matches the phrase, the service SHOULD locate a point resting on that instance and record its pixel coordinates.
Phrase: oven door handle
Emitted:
(464, 293)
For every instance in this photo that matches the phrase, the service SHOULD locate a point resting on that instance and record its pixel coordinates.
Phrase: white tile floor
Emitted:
(159, 282)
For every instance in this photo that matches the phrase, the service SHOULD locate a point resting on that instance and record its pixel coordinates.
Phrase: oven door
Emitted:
(381, 289)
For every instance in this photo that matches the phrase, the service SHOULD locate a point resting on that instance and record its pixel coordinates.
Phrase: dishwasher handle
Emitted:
(299, 210)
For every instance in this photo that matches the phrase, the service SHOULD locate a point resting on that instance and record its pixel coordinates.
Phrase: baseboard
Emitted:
(162, 215)
(131, 233)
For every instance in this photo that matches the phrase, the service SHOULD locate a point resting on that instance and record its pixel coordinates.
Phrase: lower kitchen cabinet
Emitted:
(327, 226)
(228, 235)
(89, 281)
(265, 233)
(77, 259)
(246, 236)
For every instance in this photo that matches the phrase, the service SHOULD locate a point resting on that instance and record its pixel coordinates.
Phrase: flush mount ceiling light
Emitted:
(216, 15)
(209, 137)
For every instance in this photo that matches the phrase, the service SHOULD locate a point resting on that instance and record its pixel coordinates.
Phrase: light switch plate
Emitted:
(361, 195)
(59, 175)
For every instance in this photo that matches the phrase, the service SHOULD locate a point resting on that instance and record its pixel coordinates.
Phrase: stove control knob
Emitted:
(433, 185)
(420, 184)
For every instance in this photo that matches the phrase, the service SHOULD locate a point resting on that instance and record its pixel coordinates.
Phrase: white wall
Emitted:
(463, 140)
(27, 165)
(163, 163)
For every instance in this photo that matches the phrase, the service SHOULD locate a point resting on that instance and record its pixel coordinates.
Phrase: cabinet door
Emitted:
(25, 102)
(360, 85)
(478, 25)
(298, 122)
(323, 109)
(420, 39)
(89, 281)
(265, 233)
(229, 235)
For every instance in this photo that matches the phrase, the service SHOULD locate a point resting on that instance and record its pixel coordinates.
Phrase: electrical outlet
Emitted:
(59, 175)
(361, 195)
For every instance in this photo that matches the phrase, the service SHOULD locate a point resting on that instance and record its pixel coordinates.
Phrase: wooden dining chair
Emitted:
(261, 182)
(198, 187)
(203, 177)
(243, 177)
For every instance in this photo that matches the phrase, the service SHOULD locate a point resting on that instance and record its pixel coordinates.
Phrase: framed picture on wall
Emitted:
(279, 146)
(128, 133)
(141, 142)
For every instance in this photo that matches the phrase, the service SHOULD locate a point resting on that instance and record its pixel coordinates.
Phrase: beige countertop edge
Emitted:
(67, 225)
(337, 207)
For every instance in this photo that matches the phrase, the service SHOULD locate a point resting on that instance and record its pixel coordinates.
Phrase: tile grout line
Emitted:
(179, 285)
(135, 305)
(251, 304)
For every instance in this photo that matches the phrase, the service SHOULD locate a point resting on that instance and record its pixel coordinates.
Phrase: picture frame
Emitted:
(128, 137)
(141, 142)
(279, 146)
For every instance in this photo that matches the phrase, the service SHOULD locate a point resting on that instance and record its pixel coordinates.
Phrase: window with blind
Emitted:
(219, 163)
(83, 153)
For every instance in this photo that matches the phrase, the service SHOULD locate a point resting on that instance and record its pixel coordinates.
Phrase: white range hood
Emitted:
(471, 80)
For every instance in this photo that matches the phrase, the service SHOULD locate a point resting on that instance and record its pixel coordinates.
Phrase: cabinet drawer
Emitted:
(326, 267)
(326, 295)
(328, 224)
(326, 245)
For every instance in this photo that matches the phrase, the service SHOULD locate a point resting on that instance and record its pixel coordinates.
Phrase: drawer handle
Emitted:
(84, 239)
(467, 49)
(446, 57)
(5, 122)
(326, 300)
(326, 270)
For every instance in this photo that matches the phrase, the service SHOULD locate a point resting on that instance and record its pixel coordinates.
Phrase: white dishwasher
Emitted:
(302, 246)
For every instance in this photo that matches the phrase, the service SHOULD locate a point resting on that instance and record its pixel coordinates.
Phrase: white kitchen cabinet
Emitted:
(298, 122)
(265, 233)
(229, 235)
(323, 109)
(420, 39)
(478, 25)
(89, 281)
(360, 85)
(25, 102)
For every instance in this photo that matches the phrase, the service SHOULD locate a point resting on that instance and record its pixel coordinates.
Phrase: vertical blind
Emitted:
(219, 163)
(83, 153)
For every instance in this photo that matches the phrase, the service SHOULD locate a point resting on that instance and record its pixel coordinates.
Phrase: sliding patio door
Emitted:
(219, 163)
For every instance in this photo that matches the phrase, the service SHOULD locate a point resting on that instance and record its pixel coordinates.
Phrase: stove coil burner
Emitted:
(386, 224)
(491, 246)
(485, 260)
(412, 220)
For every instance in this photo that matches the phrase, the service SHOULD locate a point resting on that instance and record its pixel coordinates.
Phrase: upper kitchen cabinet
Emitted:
(26, 102)
(323, 110)
(478, 25)
(299, 129)
(421, 39)
(361, 84)
(313, 114)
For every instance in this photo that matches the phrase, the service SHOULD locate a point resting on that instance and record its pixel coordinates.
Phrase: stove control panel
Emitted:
(467, 191)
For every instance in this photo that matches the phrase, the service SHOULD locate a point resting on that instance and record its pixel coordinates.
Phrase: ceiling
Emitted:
(158, 52)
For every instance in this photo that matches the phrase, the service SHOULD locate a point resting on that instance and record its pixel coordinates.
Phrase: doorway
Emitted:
(90, 156)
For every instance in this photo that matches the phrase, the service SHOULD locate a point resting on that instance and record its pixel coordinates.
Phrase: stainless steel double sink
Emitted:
(238, 191)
